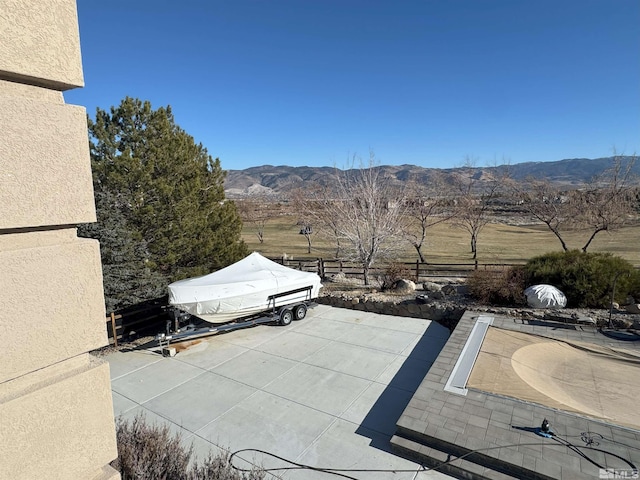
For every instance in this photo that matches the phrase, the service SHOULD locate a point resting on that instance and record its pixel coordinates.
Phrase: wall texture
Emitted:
(56, 413)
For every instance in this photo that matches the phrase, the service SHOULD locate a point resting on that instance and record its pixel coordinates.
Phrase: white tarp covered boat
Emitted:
(253, 285)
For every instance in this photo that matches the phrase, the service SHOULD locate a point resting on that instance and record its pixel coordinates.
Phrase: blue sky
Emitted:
(302, 82)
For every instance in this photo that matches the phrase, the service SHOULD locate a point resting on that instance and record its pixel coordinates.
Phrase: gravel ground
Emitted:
(457, 296)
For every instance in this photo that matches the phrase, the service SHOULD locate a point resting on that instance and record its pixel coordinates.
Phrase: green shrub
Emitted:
(498, 287)
(150, 452)
(585, 278)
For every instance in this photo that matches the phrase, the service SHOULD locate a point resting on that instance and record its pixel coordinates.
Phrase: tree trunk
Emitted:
(593, 235)
(419, 250)
(474, 246)
(559, 237)
(308, 244)
(366, 275)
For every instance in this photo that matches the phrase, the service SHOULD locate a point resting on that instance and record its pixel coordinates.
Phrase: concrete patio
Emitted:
(326, 391)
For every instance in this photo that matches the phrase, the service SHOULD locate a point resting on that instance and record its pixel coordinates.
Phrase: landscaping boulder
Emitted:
(545, 296)
(449, 289)
(338, 277)
(633, 308)
(452, 289)
(431, 287)
(404, 286)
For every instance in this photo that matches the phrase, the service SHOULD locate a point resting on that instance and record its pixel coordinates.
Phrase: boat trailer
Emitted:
(282, 315)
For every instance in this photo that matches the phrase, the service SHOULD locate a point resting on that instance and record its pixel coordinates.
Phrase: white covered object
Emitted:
(242, 289)
(545, 296)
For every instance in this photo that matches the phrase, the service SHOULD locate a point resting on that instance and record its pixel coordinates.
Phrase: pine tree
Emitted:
(168, 191)
(127, 278)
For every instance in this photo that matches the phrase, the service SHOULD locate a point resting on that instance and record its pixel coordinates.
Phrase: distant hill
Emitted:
(277, 180)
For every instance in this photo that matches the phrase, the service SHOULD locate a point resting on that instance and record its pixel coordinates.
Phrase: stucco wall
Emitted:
(56, 412)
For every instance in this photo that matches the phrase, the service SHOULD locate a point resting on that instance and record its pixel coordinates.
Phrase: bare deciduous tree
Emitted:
(604, 205)
(306, 229)
(546, 203)
(255, 211)
(369, 213)
(366, 214)
(314, 206)
(426, 206)
(608, 202)
(473, 203)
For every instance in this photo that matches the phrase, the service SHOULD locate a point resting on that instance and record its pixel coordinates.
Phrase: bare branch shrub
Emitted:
(218, 467)
(395, 271)
(499, 287)
(151, 452)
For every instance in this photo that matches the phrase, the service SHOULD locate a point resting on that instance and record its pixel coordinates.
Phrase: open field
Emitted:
(497, 243)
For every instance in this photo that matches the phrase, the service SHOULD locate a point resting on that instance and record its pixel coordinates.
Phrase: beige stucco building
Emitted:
(56, 414)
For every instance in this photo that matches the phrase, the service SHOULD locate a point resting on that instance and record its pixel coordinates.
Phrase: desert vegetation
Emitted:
(367, 218)
(149, 451)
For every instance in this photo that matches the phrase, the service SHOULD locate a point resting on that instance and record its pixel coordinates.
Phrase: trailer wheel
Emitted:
(300, 312)
(286, 315)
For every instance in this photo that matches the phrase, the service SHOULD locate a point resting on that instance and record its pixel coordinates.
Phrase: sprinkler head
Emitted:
(545, 426)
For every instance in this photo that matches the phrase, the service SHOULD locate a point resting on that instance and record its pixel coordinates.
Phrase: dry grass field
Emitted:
(497, 243)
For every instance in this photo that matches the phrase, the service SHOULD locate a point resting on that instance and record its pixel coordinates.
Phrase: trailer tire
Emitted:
(300, 311)
(286, 315)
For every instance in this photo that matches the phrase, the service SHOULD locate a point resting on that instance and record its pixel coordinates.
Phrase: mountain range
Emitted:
(278, 180)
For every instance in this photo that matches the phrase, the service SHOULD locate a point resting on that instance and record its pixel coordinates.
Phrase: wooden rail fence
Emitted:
(148, 318)
(152, 316)
(419, 271)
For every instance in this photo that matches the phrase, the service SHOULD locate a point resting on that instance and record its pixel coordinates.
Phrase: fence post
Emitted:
(340, 266)
(417, 271)
(113, 329)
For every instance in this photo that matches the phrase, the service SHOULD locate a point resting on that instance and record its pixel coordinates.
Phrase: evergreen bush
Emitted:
(585, 278)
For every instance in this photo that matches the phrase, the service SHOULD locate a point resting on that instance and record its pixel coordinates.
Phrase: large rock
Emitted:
(404, 286)
(453, 289)
(545, 296)
(633, 308)
(431, 287)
